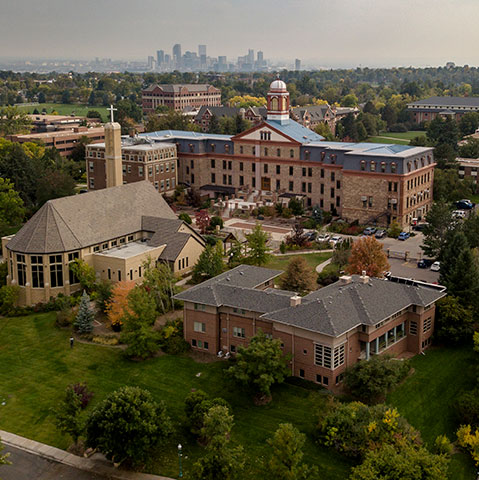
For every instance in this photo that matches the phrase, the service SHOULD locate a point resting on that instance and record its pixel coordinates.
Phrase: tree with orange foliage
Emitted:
(367, 255)
(118, 304)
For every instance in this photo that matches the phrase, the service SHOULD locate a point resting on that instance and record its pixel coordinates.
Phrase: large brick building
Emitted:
(178, 97)
(360, 181)
(140, 159)
(325, 332)
(432, 107)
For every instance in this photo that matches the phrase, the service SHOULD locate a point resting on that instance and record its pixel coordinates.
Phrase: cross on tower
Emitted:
(111, 110)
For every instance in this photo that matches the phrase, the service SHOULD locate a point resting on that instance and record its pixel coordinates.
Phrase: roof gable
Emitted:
(254, 133)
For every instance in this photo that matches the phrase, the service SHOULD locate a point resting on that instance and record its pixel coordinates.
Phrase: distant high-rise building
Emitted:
(250, 58)
(260, 56)
(177, 52)
(167, 59)
(160, 57)
(297, 64)
(151, 60)
(201, 50)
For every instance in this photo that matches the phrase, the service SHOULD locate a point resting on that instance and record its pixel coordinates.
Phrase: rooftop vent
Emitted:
(295, 301)
(364, 278)
(345, 279)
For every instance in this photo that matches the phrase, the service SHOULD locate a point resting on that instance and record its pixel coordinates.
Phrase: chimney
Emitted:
(364, 278)
(345, 279)
(295, 301)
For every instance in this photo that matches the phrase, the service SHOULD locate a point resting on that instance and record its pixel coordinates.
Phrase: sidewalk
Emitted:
(302, 252)
(99, 467)
(320, 267)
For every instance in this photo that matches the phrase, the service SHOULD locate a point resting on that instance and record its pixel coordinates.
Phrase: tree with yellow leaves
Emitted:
(367, 255)
(246, 101)
(118, 304)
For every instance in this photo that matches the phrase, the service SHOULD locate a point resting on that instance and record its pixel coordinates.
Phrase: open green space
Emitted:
(313, 260)
(400, 138)
(427, 397)
(65, 109)
(37, 364)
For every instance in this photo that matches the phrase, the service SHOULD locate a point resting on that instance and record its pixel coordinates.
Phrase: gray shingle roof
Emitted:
(337, 308)
(192, 87)
(442, 102)
(78, 221)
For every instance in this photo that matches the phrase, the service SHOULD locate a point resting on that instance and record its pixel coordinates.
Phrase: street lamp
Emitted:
(179, 459)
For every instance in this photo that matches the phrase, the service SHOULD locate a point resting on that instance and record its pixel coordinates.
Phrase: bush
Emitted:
(282, 247)
(442, 446)
(467, 408)
(102, 294)
(172, 339)
(81, 390)
(286, 213)
(216, 221)
(185, 217)
(65, 318)
(105, 340)
(329, 275)
(370, 380)
(398, 127)
(9, 295)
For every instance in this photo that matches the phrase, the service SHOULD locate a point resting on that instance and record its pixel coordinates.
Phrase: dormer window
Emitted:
(323, 156)
(307, 154)
(373, 166)
(191, 147)
(213, 147)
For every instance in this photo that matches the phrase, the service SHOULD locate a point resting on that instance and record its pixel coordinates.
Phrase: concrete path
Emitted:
(320, 267)
(98, 469)
(301, 252)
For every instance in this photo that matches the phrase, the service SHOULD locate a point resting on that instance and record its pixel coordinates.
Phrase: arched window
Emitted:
(278, 152)
(274, 103)
(363, 165)
(291, 153)
(323, 156)
(373, 166)
(306, 154)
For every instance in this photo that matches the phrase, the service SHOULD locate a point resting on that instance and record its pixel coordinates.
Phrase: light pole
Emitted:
(180, 454)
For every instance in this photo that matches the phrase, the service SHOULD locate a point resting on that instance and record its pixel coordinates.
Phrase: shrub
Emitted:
(286, 213)
(103, 294)
(64, 318)
(328, 275)
(185, 217)
(282, 247)
(105, 340)
(467, 407)
(369, 380)
(216, 221)
(81, 390)
(442, 446)
(172, 339)
(8, 298)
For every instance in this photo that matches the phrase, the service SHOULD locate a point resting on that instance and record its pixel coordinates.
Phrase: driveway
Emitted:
(400, 268)
(33, 467)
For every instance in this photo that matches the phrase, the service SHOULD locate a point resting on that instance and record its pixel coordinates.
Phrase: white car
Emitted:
(323, 237)
(436, 266)
(335, 239)
(458, 214)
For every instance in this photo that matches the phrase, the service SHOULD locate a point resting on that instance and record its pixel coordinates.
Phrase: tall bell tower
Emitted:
(113, 161)
(278, 102)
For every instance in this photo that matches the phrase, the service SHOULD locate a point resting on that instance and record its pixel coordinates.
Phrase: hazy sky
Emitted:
(324, 32)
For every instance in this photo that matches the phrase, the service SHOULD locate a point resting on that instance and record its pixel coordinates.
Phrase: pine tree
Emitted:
(84, 319)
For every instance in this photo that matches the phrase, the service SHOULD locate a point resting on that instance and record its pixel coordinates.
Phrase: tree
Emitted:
(202, 220)
(14, 121)
(160, 282)
(257, 246)
(214, 126)
(471, 148)
(127, 425)
(342, 252)
(118, 303)
(285, 462)
(296, 206)
(367, 255)
(54, 184)
(84, 319)
(216, 221)
(260, 365)
(439, 219)
(103, 293)
(84, 273)
(469, 441)
(210, 263)
(12, 211)
(217, 425)
(406, 462)
(454, 322)
(185, 217)
(297, 237)
(370, 380)
(299, 276)
(323, 129)
(3, 458)
(78, 152)
(67, 415)
(466, 408)
(138, 320)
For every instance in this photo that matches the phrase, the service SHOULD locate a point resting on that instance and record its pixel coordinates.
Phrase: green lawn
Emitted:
(313, 260)
(427, 397)
(401, 138)
(37, 364)
(65, 109)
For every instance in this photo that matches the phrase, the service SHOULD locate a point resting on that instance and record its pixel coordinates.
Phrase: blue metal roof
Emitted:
(296, 131)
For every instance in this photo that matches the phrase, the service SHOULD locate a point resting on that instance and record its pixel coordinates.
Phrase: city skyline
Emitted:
(373, 33)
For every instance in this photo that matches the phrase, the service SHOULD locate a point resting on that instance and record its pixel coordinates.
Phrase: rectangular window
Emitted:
(265, 168)
(427, 325)
(212, 163)
(413, 327)
(304, 171)
(253, 182)
(92, 182)
(91, 166)
(322, 173)
(241, 180)
(241, 166)
(278, 169)
(71, 258)
(199, 306)
(224, 164)
(37, 271)
(253, 167)
(322, 355)
(140, 170)
(21, 270)
(278, 184)
(239, 332)
(301, 373)
(56, 271)
(200, 327)
(291, 186)
(339, 355)
(213, 178)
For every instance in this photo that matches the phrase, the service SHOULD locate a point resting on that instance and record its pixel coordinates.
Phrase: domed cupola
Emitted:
(278, 102)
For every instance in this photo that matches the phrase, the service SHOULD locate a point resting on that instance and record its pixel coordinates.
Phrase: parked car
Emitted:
(311, 236)
(380, 233)
(425, 263)
(436, 266)
(420, 227)
(369, 231)
(465, 204)
(459, 214)
(404, 236)
(323, 237)
(335, 239)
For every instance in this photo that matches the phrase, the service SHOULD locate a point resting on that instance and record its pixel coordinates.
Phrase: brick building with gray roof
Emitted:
(325, 331)
(429, 108)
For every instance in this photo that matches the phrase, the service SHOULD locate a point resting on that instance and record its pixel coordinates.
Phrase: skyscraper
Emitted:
(160, 57)
(177, 52)
(201, 50)
(297, 64)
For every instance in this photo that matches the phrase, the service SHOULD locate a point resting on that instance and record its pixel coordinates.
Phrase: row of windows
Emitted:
(113, 243)
(420, 180)
(169, 182)
(183, 263)
(325, 356)
(373, 166)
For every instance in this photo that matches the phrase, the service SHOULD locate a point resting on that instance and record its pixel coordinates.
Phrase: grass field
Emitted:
(37, 364)
(312, 259)
(427, 398)
(66, 109)
(400, 138)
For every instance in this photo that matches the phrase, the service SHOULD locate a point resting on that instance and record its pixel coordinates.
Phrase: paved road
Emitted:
(27, 466)
(399, 268)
